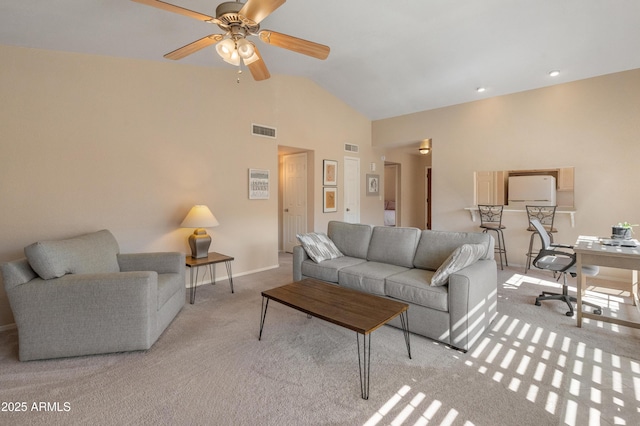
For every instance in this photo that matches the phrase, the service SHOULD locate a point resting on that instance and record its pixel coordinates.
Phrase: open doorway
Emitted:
(391, 194)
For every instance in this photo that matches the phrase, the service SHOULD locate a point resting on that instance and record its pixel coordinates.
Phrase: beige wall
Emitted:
(92, 142)
(591, 124)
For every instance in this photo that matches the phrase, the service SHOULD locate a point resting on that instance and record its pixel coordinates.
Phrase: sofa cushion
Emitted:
(318, 246)
(396, 246)
(86, 254)
(368, 276)
(328, 270)
(412, 286)
(463, 256)
(436, 246)
(352, 239)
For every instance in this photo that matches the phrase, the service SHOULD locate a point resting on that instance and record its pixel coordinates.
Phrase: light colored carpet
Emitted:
(535, 367)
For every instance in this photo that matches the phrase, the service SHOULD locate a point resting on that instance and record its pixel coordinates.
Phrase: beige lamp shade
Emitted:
(199, 217)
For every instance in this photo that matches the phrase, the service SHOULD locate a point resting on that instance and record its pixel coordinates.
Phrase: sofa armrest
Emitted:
(16, 273)
(472, 302)
(162, 262)
(81, 314)
(299, 256)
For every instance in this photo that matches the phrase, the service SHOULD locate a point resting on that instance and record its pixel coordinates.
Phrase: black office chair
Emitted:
(546, 215)
(562, 262)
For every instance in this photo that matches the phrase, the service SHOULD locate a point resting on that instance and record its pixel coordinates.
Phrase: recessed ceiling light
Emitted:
(554, 73)
(480, 89)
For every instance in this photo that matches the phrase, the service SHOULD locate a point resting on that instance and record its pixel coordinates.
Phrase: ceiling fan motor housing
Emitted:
(228, 17)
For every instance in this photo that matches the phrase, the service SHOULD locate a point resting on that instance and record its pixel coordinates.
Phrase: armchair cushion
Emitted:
(92, 253)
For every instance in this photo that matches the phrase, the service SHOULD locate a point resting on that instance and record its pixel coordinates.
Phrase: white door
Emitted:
(294, 217)
(351, 190)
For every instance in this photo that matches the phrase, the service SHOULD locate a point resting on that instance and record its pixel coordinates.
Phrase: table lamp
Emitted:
(199, 217)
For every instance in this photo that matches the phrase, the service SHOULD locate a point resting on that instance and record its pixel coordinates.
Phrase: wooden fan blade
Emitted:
(295, 44)
(175, 9)
(259, 69)
(194, 47)
(257, 10)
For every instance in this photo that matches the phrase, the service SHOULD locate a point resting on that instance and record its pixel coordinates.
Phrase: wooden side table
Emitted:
(210, 262)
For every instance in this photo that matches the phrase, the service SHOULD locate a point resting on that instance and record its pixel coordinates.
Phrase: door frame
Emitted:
(427, 196)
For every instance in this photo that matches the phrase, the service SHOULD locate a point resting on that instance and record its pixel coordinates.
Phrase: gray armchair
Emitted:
(80, 296)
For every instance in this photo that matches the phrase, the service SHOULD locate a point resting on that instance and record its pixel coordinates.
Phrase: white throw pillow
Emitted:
(461, 257)
(319, 247)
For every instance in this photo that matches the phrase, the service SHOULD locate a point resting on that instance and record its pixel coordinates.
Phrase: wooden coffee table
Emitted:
(357, 311)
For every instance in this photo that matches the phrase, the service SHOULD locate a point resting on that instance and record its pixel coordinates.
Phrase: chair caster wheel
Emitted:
(597, 311)
(569, 314)
(537, 303)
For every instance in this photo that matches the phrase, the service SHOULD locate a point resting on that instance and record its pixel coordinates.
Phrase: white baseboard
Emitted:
(225, 277)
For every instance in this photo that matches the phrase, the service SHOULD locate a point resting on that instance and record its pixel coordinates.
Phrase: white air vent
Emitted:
(351, 148)
(264, 131)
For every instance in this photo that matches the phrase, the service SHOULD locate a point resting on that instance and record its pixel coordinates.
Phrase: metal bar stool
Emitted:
(491, 220)
(545, 215)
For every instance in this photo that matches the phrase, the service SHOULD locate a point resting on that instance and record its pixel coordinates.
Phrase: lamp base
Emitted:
(199, 242)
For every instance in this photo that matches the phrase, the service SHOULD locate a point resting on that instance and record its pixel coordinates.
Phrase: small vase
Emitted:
(620, 233)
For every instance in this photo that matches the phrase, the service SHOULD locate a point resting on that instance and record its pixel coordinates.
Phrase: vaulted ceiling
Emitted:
(388, 58)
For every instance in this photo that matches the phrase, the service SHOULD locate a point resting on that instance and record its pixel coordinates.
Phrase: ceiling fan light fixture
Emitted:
(246, 49)
(251, 59)
(226, 48)
(233, 59)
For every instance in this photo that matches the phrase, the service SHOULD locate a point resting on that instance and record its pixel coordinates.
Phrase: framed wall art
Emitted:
(373, 184)
(330, 172)
(258, 184)
(330, 200)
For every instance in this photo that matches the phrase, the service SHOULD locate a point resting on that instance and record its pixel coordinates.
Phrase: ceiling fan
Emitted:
(238, 21)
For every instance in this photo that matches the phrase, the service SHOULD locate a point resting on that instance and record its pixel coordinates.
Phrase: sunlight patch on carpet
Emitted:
(558, 366)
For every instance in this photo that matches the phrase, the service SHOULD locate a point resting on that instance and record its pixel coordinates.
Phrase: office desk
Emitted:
(589, 251)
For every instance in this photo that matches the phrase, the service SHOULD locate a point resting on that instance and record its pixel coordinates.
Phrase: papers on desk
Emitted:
(619, 243)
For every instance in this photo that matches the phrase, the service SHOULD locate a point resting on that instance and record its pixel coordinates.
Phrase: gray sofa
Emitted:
(81, 296)
(399, 263)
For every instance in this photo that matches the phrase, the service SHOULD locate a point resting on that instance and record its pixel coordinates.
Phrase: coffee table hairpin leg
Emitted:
(364, 366)
(404, 320)
(263, 314)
